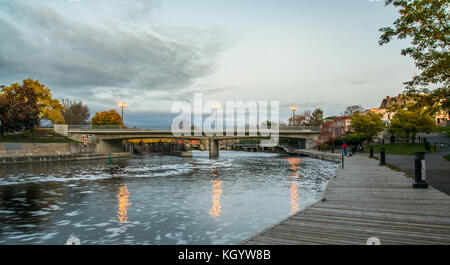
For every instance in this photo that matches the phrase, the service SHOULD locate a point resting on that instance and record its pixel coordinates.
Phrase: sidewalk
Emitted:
(367, 200)
(438, 169)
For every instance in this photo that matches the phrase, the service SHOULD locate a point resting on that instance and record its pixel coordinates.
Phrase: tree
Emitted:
(426, 22)
(367, 125)
(75, 112)
(410, 122)
(307, 118)
(330, 118)
(268, 124)
(331, 130)
(49, 107)
(298, 120)
(110, 117)
(350, 139)
(19, 108)
(350, 110)
(316, 118)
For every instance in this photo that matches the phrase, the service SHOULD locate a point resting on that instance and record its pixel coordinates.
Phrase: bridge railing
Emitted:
(115, 127)
(163, 127)
(301, 128)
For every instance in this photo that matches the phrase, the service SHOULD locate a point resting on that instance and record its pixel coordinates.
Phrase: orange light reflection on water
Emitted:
(293, 175)
(216, 209)
(123, 196)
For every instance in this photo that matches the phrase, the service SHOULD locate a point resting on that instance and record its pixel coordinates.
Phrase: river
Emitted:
(156, 199)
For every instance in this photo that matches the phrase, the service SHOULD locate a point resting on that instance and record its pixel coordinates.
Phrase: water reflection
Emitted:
(123, 196)
(293, 175)
(216, 209)
(47, 203)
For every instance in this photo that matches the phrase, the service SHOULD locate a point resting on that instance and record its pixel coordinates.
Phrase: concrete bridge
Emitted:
(110, 138)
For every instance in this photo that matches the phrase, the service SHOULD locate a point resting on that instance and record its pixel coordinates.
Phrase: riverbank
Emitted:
(56, 158)
(32, 152)
(333, 157)
(366, 200)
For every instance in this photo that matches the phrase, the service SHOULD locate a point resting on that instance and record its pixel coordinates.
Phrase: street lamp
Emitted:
(293, 108)
(122, 105)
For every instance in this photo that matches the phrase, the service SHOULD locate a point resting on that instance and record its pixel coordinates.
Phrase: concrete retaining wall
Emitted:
(56, 158)
(334, 157)
(44, 149)
(16, 153)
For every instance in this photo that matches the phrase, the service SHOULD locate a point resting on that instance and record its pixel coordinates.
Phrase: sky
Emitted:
(321, 53)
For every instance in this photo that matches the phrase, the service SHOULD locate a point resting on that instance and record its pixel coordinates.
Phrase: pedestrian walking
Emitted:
(344, 146)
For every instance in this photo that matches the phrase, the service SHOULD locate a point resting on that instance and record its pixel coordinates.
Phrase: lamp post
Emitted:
(122, 105)
(293, 108)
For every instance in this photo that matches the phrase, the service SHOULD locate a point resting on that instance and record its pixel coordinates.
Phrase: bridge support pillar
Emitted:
(213, 147)
(301, 143)
(109, 146)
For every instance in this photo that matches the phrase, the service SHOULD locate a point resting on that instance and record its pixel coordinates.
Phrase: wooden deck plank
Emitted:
(366, 200)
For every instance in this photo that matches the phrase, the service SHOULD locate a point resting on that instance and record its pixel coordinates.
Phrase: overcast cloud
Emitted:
(150, 53)
(95, 58)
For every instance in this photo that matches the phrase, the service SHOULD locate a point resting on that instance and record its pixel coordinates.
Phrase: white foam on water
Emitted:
(74, 213)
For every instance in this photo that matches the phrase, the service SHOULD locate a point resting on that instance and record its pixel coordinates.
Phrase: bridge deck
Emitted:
(367, 200)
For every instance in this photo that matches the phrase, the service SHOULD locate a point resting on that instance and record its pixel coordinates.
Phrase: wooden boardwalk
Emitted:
(366, 200)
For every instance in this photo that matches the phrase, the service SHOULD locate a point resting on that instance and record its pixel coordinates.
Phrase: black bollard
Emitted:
(371, 151)
(342, 159)
(420, 170)
(332, 148)
(382, 156)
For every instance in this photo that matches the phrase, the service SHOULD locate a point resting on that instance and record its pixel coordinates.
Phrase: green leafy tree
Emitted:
(426, 23)
(410, 122)
(368, 125)
(110, 117)
(350, 139)
(316, 118)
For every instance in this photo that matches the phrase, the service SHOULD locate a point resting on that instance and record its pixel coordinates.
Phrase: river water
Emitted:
(156, 199)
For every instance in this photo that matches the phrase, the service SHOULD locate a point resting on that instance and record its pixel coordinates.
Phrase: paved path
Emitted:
(367, 200)
(438, 169)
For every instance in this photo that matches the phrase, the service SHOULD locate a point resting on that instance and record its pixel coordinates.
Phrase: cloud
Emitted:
(79, 49)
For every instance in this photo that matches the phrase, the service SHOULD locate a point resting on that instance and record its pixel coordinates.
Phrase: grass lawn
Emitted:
(35, 136)
(445, 129)
(398, 148)
(447, 157)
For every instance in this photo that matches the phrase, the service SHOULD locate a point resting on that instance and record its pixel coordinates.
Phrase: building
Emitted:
(391, 101)
(388, 102)
(385, 114)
